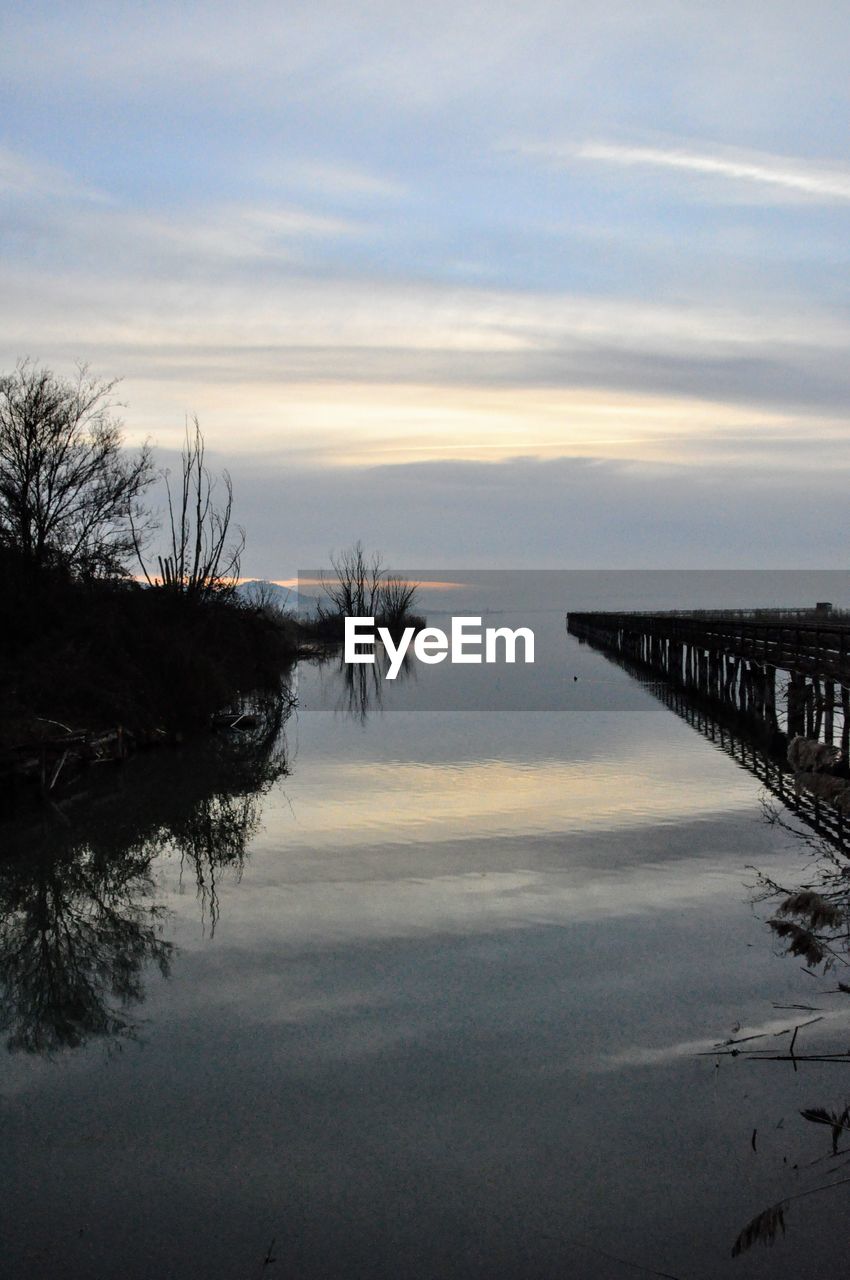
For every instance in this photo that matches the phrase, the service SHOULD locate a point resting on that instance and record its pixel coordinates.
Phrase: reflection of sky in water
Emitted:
(447, 1026)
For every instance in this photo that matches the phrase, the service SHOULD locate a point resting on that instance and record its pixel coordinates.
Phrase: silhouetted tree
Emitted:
(355, 589)
(68, 490)
(363, 588)
(204, 554)
(397, 599)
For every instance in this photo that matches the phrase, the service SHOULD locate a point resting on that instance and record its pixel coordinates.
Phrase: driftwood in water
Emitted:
(234, 720)
(38, 766)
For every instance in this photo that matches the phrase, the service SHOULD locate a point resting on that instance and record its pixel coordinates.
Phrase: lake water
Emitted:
(430, 1003)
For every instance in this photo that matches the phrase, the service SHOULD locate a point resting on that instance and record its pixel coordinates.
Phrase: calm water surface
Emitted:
(427, 1005)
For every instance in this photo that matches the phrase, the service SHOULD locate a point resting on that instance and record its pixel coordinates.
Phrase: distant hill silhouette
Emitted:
(288, 599)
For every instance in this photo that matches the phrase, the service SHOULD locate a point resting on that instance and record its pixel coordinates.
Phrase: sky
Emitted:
(559, 284)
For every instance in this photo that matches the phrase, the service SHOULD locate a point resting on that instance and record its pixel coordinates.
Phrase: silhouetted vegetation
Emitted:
(68, 490)
(203, 552)
(362, 587)
(101, 653)
(83, 645)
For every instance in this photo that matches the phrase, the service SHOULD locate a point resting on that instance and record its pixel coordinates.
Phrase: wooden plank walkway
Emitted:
(801, 644)
(790, 662)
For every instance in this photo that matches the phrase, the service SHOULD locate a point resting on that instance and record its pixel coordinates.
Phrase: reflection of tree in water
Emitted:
(231, 774)
(79, 924)
(363, 684)
(76, 932)
(213, 838)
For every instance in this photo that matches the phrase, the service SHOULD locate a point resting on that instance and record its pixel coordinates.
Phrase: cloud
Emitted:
(542, 513)
(22, 177)
(231, 233)
(310, 239)
(229, 320)
(787, 175)
(338, 309)
(134, 241)
(418, 59)
(224, 320)
(334, 179)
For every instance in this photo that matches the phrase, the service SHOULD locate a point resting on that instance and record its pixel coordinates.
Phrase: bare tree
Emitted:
(204, 552)
(363, 588)
(356, 589)
(68, 491)
(397, 599)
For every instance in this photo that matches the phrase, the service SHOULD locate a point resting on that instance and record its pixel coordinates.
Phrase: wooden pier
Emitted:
(791, 669)
(755, 744)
